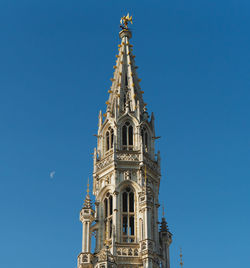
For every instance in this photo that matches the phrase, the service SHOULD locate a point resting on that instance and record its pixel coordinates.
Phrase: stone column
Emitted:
(148, 234)
(83, 236)
(88, 237)
(115, 215)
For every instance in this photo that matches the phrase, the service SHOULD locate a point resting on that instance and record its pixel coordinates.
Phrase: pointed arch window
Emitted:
(144, 135)
(108, 215)
(128, 216)
(127, 136)
(109, 138)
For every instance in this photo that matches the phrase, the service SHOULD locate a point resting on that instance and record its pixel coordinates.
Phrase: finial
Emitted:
(181, 262)
(125, 20)
(164, 225)
(87, 201)
(88, 187)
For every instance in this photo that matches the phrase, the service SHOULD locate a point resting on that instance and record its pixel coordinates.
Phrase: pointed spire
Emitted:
(164, 225)
(87, 201)
(125, 94)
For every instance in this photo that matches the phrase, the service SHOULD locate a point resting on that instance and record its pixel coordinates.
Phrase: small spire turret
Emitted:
(87, 201)
(164, 225)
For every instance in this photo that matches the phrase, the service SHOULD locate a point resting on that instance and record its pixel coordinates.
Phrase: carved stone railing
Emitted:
(147, 245)
(127, 156)
(129, 251)
(119, 156)
(105, 161)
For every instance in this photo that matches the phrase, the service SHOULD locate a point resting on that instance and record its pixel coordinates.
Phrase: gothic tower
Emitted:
(126, 178)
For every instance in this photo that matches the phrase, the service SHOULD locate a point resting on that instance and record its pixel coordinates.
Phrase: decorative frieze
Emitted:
(127, 157)
(104, 162)
(147, 245)
(127, 251)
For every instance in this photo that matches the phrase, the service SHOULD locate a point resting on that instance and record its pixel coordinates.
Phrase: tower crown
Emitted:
(126, 176)
(125, 94)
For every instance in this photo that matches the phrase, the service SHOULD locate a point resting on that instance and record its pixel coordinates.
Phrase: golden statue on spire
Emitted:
(125, 20)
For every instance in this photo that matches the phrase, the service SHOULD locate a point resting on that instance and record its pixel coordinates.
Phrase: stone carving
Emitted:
(130, 252)
(152, 165)
(127, 175)
(128, 157)
(105, 255)
(107, 180)
(124, 252)
(103, 163)
(85, 258)
(102, 257)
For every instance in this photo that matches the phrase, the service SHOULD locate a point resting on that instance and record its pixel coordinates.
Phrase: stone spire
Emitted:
(164, 225)
(87, 201)
(125, 94)
(166, 240)
(126, 178)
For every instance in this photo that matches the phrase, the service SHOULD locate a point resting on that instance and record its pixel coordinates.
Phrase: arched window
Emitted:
(127, 136)
(144, 135)
(108, 214)
(128, 216)
(109, 139)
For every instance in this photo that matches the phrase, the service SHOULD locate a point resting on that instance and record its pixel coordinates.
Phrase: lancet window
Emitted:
(109, 138)
(128, 216)
(127, 136)
(108, 215)
(144, 135)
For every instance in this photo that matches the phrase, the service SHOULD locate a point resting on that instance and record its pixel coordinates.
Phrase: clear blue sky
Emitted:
(56, 61)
